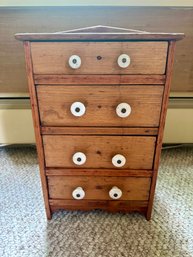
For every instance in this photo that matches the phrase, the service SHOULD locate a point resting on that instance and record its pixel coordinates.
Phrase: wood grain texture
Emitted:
(98, 172)
(162, 124)
(137, 178)
(52, 57)
(35, 114)
(110, 206)
(99, 79)
(100, 102)
(138, 150)
(98, 131)
(97, 188)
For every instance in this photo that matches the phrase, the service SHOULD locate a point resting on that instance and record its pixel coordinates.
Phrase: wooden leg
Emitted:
(148, 214)
(48, 214)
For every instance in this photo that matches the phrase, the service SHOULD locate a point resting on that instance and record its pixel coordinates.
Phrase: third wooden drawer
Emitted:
(99, 151)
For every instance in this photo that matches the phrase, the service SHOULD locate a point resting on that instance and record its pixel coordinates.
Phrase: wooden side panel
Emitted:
(35, 114)
(97, 188)
(99, 57)
(100, 102)
(158, 148)
(99, 150)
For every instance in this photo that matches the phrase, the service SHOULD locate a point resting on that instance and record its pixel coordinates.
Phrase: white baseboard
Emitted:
(179, 126)
(17, 126)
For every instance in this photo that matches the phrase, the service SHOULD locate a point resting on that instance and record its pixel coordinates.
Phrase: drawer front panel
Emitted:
(99, 57)
(99, 151)
(97, 188)
(100, 103)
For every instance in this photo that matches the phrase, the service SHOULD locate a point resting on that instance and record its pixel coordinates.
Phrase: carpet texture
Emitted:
(24, 231)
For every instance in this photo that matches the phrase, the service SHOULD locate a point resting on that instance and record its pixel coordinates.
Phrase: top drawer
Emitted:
(99, 57)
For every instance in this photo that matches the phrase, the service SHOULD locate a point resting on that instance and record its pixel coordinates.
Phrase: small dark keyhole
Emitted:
(124, 60)
(99, 57)
(123, 110)
(115, 195)
(74, 61)
(79, 159)
(77, 195)
(119, 161)
(77, 109)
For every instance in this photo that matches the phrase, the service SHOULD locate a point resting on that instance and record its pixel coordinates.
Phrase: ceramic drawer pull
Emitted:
(123, 61)
(74, 61)
(78, 193)
(78, 109)
(79, 158)
(115, 193)
(118, 160)
(123, 110)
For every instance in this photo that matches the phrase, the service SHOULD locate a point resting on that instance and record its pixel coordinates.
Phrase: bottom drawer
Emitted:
(98, 188)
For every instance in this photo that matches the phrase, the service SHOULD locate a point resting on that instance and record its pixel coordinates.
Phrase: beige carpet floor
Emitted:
(24, 231)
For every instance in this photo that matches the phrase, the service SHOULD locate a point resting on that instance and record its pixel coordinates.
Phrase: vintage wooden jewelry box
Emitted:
(99, 97)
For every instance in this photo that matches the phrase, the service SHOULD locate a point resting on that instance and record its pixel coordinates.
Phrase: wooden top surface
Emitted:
(99, 32)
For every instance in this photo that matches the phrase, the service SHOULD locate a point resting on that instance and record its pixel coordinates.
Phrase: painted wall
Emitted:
(96, 3)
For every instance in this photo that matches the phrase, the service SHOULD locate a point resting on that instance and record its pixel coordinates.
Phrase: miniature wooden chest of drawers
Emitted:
(99, 98)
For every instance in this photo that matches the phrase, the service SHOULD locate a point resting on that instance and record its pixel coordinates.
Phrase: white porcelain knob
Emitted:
(79, 158)
(78, 193)
(78, 109)
(74, 61)
(123, 110)
(124, 60)
(118, 160)
(115, 193)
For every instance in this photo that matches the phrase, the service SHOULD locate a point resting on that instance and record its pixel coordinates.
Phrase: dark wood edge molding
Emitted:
(99, 79)
(98, 36)
(98, 172)
(98, 131)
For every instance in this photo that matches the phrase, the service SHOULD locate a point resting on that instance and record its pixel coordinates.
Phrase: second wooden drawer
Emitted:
(99, 151)
(100, 105)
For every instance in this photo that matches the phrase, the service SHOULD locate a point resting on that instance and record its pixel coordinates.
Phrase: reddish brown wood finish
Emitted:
(94, 177)
(35, 114)
(97, 188)
(99, 79)
(98, 172)
(98, 131)
(99, 151)
(99, 57)
(100, 103)
(158, 148)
